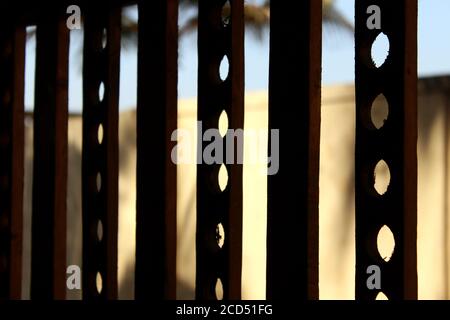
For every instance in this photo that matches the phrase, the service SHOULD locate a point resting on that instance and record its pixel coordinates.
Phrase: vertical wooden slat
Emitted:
(48, 273)
(12, 68)
(294, 110)
(233, 223)
(395, 143)
(220, 34)
(447, 193)
(100, 149)
(156, 173)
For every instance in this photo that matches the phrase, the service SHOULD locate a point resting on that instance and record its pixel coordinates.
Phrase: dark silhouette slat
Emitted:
(219, 35)
(294, 109)
(100, 156)
(156, 180)
(12, 69)
(48, 265)
(395, 143)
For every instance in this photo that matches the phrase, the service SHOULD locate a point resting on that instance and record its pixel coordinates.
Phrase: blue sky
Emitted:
(338, 57)
(338, 50)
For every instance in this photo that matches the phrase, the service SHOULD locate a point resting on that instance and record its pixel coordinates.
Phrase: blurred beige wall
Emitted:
(337, 254)
(337, 223)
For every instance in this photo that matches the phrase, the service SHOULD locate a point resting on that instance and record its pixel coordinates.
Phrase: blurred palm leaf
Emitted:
(334, 18)
(257, 18)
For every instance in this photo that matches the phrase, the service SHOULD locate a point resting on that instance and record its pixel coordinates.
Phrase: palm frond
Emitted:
(334, 18)
(129, 32)
(257, 18)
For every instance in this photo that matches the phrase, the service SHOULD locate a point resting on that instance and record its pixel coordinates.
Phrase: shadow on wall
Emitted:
(74, 225)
